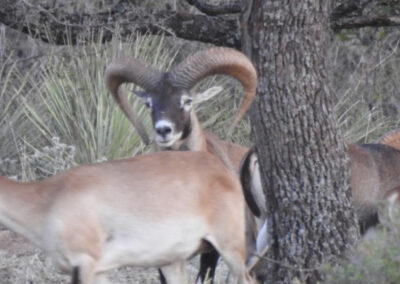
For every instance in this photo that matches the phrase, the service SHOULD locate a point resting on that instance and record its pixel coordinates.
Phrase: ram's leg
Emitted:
(174, 273)
(83, 272)
(233, 252)
(236, 263)
(208, 264)
(101, 279)
(162, 278)
(232, 249)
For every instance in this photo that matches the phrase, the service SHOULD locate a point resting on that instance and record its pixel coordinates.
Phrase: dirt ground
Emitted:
(22, 263)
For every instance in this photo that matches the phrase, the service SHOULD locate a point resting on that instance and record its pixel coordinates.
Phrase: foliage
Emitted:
(364, 79)
(374, 260)
(13, 125)
(358, 122)
(35, 164)
(47, 161)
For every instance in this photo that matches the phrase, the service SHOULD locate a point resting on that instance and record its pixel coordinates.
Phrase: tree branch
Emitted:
(58, 27)
(365, 21)
(213, 10)
(365, 13)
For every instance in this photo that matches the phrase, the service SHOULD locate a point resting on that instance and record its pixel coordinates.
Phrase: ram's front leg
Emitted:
(208, 264)
(174, 273)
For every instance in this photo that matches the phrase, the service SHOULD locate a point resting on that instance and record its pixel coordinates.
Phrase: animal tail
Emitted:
(246, 176)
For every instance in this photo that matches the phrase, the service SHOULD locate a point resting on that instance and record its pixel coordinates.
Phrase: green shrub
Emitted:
(374, 260)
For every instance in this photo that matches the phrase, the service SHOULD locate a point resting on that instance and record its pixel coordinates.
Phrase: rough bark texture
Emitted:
(302, 158)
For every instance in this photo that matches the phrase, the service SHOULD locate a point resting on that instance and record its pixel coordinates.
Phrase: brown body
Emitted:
(93, 218)
(374, 178)
(375, 175)
(375, 168)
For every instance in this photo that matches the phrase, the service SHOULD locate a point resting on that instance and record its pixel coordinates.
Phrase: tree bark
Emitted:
(302, 158)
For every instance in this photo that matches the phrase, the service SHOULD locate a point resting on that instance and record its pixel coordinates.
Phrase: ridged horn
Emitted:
(218, 60)
(129, 70)
(391, 138)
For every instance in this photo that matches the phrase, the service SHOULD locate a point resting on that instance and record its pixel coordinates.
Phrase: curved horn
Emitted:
(391, 138)
(218, 60)
(129, 70)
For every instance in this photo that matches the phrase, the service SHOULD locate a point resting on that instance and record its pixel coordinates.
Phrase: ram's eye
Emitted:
(188, 102)
(148, 103)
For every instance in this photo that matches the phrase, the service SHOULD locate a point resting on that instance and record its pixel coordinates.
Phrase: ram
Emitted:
(374, 179)
(375, 175)
(175, 123)
(155, 210)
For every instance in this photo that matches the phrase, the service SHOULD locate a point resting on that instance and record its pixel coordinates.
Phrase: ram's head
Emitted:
(169, 95)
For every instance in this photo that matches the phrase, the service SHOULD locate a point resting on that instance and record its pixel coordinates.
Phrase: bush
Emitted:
(375, 259)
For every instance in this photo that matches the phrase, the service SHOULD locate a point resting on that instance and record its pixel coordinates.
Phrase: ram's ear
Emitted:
(140, 94)
(207, 94)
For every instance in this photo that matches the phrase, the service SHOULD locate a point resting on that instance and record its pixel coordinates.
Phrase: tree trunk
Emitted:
(302, 158)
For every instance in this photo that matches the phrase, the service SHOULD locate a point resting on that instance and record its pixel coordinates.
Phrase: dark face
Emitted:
(170, 113)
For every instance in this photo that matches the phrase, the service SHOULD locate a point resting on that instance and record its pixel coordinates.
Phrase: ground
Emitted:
(22, 263)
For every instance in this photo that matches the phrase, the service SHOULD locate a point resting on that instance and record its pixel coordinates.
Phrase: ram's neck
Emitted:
(225, 150)
(235, 153)
(196, 141)
(21, 208)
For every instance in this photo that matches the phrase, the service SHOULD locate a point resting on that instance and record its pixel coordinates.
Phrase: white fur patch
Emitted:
(186, 102)
(165, 123)
(170, 138)
(149, 102)
(262, 238)
(256, 185)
